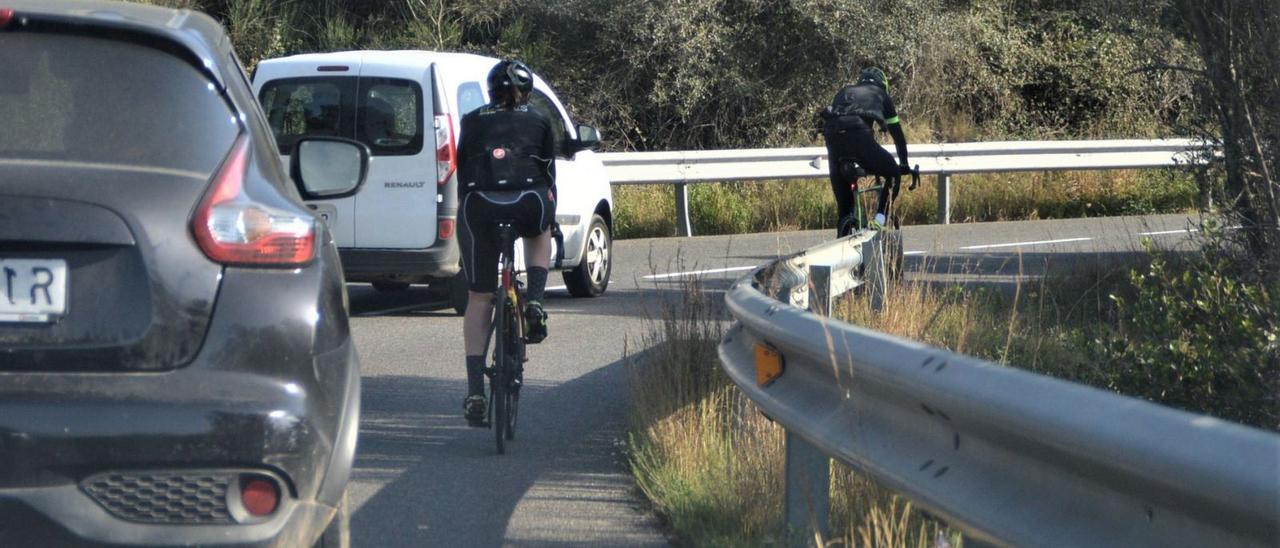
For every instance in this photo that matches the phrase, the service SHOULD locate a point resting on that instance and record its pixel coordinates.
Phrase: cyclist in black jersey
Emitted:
(506, 171)
(847, 130)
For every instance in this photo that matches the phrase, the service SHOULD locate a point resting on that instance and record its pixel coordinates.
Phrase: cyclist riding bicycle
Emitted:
(847, 130)
(506, 172)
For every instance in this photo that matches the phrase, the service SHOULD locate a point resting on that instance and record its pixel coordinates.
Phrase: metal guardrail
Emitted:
(1008, 456)
(943, 160)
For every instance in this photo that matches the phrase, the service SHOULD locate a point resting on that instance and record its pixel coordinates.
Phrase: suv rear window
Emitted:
(383, 113)
(84, 99)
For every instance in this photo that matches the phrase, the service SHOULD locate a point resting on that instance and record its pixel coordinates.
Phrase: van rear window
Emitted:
(383, 113)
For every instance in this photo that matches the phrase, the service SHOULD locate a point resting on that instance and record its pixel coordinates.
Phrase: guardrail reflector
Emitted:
(769, 365)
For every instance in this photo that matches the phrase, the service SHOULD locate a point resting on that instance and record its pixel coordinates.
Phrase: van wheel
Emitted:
(591, 277)
(458, 296)
(338, 533)
(390, 287)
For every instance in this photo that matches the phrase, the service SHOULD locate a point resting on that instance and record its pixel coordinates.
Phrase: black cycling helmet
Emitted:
(510, 74)
(873, 75)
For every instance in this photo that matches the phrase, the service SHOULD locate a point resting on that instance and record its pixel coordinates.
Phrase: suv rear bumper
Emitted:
(57, 516)
(288, 414)
(438, 262)
(58, 430)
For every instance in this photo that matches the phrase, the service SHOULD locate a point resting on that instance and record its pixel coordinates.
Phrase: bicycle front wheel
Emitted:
(501, 378)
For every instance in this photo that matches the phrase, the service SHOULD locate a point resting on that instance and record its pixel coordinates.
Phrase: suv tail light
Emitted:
(446, 149)
(233, 229)
(445, 229)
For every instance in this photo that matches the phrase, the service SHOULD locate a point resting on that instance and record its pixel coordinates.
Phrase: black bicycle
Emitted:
(857, 218)
(506, 371)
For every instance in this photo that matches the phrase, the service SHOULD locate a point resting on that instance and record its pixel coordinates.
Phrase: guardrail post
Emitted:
(683, 226)
(944, 198)
(874, 275)
(808, 470)
(820, 297)
(808, 491)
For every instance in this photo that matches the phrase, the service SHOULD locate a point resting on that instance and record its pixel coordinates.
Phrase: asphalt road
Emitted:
(423, 478)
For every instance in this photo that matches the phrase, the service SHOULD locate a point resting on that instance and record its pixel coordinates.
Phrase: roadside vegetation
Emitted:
(711, 464)
(1177, 328)
(705, 74)
(736, 208)
(1197, 328)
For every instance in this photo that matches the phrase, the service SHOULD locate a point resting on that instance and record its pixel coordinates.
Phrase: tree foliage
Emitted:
(671, 74)
(1238, 42)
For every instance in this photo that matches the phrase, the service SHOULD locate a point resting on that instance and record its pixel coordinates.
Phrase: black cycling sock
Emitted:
(475, 375)
(537, 282)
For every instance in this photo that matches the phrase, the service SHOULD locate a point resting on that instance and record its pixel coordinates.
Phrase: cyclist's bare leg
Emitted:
(475, 329)
(537, 256)
(537, 250)
(476, 322)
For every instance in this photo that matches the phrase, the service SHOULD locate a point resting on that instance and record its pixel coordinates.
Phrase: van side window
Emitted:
(301, 107)
(470, 97)
(540, 101)
(389, 119)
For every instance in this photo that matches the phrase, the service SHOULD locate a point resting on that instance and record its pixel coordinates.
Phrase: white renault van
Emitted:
(407, 106)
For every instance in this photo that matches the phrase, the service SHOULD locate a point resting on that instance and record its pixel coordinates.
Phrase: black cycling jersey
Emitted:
(506, 170)
(847, 129)
(505, 149)
(861, 104)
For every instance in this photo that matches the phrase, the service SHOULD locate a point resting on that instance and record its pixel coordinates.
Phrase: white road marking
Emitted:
(1164, 232)
(910, 253)
(1027, 244)
(697, 272)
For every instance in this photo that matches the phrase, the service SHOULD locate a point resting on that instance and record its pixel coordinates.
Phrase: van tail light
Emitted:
(446, 149)
(232, 229)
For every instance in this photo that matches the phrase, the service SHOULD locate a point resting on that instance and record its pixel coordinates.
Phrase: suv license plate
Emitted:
(32, 290)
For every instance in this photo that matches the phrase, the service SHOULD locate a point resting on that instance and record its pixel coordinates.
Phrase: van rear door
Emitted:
(312, 98)
(396, 209)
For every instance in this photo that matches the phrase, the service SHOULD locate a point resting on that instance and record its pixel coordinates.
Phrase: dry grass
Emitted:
(711, 465)
(729, 208)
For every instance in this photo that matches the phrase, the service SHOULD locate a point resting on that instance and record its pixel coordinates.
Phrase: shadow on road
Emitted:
(412, 430)
(1006, 272)
(417, 300)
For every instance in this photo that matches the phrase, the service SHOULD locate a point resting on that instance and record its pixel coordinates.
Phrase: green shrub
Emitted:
(1197, 336)
(721, 208)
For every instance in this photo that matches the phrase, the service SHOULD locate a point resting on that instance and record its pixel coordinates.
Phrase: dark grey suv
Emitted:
(175, 360)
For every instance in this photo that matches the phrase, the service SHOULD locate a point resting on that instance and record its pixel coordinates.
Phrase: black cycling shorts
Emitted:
(529, 211)
(858, 144)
